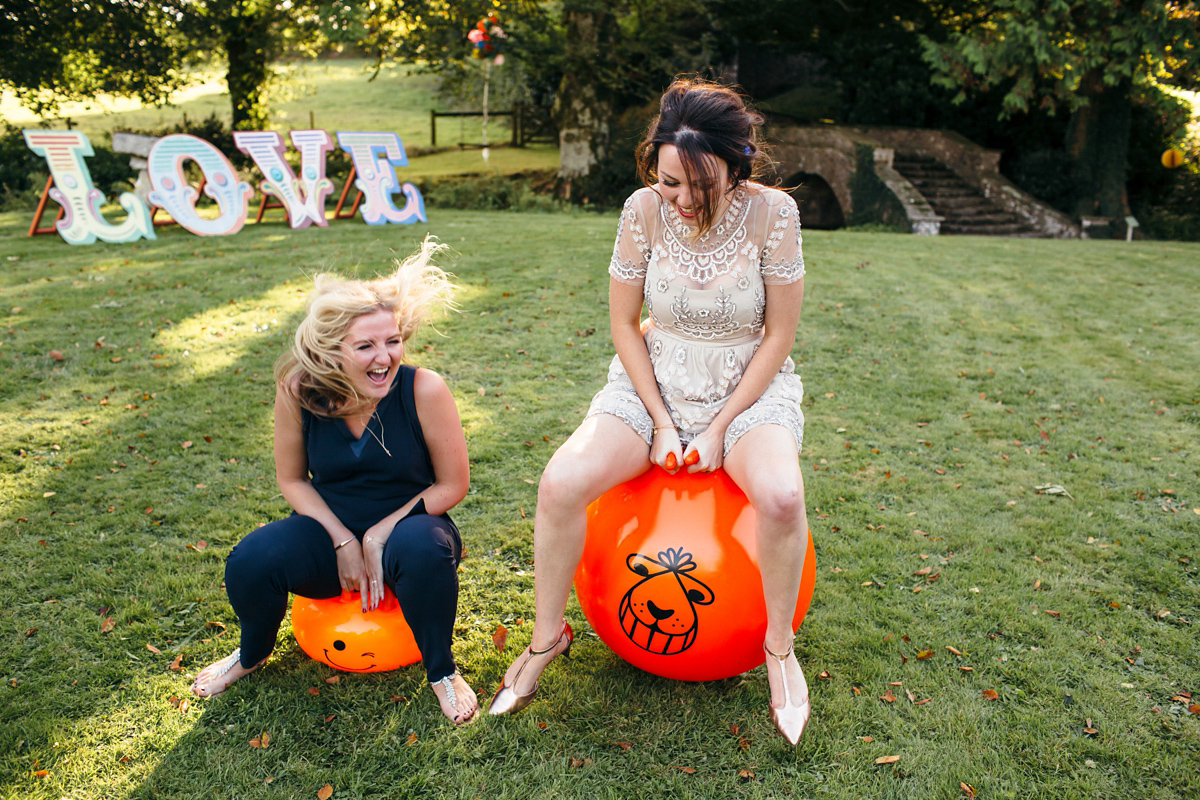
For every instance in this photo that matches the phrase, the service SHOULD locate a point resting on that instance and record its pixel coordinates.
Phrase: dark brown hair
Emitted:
(701, 118)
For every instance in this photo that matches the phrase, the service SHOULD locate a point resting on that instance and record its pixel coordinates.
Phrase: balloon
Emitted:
(336, 631)
(1172, 158)
(669, 577)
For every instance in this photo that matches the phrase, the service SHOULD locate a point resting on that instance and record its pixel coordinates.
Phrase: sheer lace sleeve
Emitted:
(631, 253)
(782, 256)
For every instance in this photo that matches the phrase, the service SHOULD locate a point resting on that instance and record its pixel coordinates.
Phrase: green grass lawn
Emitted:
(947, 380)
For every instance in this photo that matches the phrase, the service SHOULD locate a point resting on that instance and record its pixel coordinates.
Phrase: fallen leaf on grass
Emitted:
(888, 697)
(745, 774)
(954, 650)
(825, 675)
(314, 691)
(333, 679)
(1052, 488)
(968, 790)
(687, 770)
(967, 669)
(412, 739)
(624, 745)
(912, 698)
(325, 792)
(1055, 614)
(991, 694)
(153, 649)
(108, 624)
(923, 702)
(186, 444)
(184, 705)
(176, 665)
(261, 742)
(886, 760)
(41, 773)
(867, 739)
(500, 637)
(331, 718)
(925, 655)
(49, 494)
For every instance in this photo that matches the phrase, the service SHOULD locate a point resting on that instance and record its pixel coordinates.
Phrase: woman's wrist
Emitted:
(343, 543)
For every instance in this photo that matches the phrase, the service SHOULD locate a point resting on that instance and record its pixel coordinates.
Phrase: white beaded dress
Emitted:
(706, 298)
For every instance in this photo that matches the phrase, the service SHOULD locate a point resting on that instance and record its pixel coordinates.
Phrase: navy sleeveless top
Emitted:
(357, 478)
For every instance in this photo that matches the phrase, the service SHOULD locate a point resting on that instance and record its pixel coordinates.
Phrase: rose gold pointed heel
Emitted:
(506, 700)
(791, 719)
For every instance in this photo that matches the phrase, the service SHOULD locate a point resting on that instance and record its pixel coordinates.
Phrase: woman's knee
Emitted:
(780, 502)
(420, 543)
(563, 484)
(264, 553)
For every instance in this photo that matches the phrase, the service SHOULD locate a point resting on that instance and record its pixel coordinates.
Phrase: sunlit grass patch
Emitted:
(953, 387)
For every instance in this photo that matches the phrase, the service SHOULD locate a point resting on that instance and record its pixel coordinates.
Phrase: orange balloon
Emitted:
(669, 577)
(1172, 158)
(336, 631)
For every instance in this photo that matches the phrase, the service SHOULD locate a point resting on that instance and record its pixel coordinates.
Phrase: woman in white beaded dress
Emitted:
(706, 381)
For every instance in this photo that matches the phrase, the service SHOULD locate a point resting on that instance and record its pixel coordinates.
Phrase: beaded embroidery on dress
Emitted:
(706, 297)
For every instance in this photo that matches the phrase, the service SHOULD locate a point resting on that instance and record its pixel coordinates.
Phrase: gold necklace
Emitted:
(382, 432)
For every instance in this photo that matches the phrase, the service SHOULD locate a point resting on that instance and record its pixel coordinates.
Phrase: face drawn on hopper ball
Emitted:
(659, 612)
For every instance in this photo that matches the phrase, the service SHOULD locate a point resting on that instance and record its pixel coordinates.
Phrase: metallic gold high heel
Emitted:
(791, 719)
(506, 700)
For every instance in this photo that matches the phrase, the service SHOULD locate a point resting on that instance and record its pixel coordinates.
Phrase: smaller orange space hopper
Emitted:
(337, 632)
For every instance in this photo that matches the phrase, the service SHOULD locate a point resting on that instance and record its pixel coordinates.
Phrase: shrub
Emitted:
(492, 193)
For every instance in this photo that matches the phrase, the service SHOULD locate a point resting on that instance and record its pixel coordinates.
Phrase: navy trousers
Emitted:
(420, 566)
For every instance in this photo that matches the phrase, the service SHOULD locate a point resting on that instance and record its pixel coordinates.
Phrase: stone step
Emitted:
(964, 210)
(951, 229)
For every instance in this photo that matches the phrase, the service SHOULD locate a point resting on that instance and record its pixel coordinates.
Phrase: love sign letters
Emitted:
(375, 156)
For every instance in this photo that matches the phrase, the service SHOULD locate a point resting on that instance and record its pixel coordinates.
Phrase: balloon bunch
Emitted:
(487, 39)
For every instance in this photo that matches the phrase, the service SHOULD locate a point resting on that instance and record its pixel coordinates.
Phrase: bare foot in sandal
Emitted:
(456, 698)
(220, 675)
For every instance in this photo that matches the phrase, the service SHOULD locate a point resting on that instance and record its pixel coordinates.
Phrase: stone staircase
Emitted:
(963, 208)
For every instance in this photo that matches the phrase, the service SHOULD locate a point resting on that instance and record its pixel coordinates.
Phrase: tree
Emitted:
(52, 51)
(1090, 58)
(57, 50)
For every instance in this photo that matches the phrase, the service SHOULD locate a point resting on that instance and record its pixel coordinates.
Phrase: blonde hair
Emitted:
(311, 371)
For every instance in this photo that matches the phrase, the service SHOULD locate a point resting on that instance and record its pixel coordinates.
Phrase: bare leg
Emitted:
(764, 464)
(602, 453)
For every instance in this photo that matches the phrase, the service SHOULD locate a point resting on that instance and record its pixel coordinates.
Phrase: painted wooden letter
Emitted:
(173, 193)
(375, 156)
(83, 223)
(303, 198)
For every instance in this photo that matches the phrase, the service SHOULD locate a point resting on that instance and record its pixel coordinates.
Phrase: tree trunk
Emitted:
(1098, 144)
(582, 110)
(247, 38)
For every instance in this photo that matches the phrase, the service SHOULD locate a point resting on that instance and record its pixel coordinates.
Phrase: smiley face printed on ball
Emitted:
(335, 630)
(658, 613)
(339, 656)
